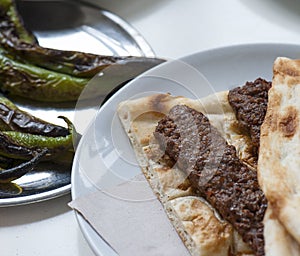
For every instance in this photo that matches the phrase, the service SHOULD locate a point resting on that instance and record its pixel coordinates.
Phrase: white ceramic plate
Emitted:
(105, 157)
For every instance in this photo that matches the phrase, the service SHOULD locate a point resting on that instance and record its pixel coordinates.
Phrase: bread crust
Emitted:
(279, 154)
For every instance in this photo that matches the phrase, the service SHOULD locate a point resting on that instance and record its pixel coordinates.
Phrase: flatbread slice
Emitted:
(279, 155)
(201, 229)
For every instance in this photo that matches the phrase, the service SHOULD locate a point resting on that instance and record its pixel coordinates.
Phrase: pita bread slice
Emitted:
(200, 228)
(279, 154)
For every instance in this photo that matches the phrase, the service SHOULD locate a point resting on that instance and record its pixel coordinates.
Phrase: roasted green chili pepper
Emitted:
(7, 175)
(11, 24)
(14, 119)
(35, 142)
(20, 43)
(78, 64)
(29, 70)
(74, 63)
(18, 145)
(11, 149)
(37, 83)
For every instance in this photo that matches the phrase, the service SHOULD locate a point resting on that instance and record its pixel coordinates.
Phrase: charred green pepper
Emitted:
(14, 119)
(18, 145)
(40, 84)
(10, 149)
(20, 43)
(74, 63)
(15, 147)
(7, 175)
(37, 83)
(12, 25)
(29, 70)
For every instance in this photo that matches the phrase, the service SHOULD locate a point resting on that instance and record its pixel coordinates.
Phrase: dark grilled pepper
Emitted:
(20, 43)
(74, 63)
(78, 64)
(14, 119)
(7, 175)
(40, 84)
(37, 83)
(12, 25)
(18, 145)
(44, 74)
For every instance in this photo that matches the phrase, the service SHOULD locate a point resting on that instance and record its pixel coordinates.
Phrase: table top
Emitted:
(174, 28)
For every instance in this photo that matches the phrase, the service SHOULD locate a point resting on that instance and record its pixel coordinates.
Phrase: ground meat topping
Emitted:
(215, 171)
(249, 103)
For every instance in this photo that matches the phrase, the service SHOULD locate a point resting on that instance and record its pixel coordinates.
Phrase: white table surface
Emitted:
(173, 28)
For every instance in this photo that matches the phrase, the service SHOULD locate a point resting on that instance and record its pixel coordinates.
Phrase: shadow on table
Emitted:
(285, 13)
(25, 214)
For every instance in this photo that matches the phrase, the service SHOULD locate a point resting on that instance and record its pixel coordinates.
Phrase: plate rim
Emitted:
(83, 224)
(141, 42)
(35, 198)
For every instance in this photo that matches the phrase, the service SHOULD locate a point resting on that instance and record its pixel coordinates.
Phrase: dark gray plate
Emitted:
(67, 25)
